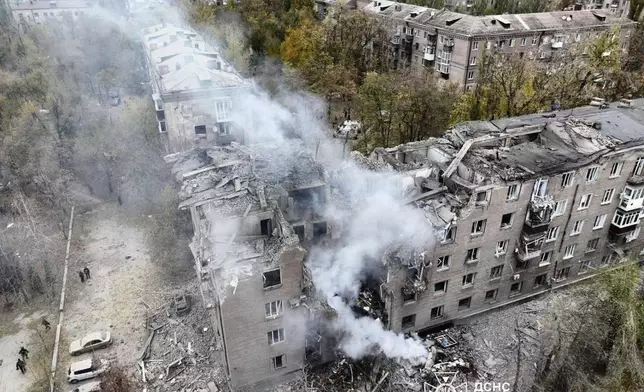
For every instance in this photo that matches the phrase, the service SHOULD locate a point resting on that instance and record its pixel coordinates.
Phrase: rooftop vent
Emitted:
(451, 21)
(504, 22)
(397, 7)
(601, 17)
(413, 14)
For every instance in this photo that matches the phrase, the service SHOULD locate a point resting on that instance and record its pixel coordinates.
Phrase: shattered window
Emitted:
(577, 227)
(200, 129)
(607, 197)
(553, 233)
(562, 274)
(591, 246)
(478, 227)
(540, 280)
(275, 336)
(516, 288)
(501, 248)
(506, 220)
(272, 278)
(440, 287)
(408, 321)
(585, 201)
(513, 192)
(442, 263)
(496, 272)
(490, 295)
(584, 266)
(450, 234)
(639, 167)
(278, 362)
(274, 309)
(560, 207)
(482, 197)
(567, 179)
(464, 303)
(436, 312)
(468, 279)
(569, 251)
(592, 174)
(616, 169)
(472, 255)
(599, 221)
(545, 258)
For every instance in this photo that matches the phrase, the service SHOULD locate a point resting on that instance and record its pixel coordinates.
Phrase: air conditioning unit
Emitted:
(516, 277)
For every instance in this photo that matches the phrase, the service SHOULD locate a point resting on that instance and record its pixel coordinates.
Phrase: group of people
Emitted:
(21, 364)
(84, 274)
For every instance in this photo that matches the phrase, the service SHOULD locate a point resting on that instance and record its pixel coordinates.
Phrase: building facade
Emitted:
(44, 11)
(194, 89)
(616, 7)
(521, 206)
(451, 44)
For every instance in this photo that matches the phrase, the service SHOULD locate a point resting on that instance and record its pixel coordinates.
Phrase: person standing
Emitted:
(46, 324)
(20, 365)
(86, 271)
(24, 353)
(82, 276)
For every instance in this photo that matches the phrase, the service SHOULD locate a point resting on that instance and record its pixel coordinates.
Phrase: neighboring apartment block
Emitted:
(522, 205)
(194, 88)
(251, 227)
(617, 7)
(44, 11)
(451, 44)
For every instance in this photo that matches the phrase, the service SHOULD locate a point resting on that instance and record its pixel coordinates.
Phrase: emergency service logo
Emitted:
(448, 382)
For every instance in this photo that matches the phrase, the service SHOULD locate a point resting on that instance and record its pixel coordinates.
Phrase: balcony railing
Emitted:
(557, 44)
(429, 56)
(628, 204)
(527, 254)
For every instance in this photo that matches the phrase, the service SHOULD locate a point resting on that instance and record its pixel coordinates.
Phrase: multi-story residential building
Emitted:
(251, 227)
(194, 88)
(521, 206)
(617, 7)
(44, 11)
(322, 6)
(451, 44)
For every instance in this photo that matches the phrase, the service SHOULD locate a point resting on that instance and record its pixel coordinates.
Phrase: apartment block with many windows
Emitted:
(451, 44)
(521, 206)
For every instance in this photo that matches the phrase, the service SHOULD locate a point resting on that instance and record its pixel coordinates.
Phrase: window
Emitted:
(464, 303)
(632, 236)
(562, 274)
(540, 187)
(442, 263)
(512, 43)
(440, 287)
(470, 75)
(569, 251)
(408, 321)
(567, 179)
(535, 40)
(523, 41)
(450, 234)
(591, 246)
(468, 279)
(585, 201)
(200, 130)
(475, 46)
(599, 221)
(482, 197)
(516, 288)
(473, 60)
(540, 280)
(513, 192)
(501, 248)
(577, 227)
(223, 109)
(607, 198)
(592, 174)
(496, 272)
(274, 309)
(584, 266)
(553, 233)
(623, 219)
(506, 220)
(436, 313)
(478, 227)
(545, 258)
(607, 260)
(278, 362)
(490, 295)
(542, 55)
(276, 336)
(639, 167)
(265, 227)
(488, 46)
(616, 169)
(472, 255)
(502, 44)
(560, 207)
(409, 298)
(272, 278)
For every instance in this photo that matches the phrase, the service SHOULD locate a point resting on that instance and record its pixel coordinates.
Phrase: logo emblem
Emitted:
(446, 383)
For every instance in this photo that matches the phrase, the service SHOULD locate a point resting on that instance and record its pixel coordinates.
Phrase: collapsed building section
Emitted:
(519, 206)
(251, 214)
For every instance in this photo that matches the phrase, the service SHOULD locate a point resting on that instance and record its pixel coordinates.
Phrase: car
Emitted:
(90, 342)
(181, 304)
(86, 369)
(94, 386)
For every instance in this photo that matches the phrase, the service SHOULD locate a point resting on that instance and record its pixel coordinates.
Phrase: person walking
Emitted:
(46, 324)
(82, 276)
(86, 271)
(20, 365)
(24, 353)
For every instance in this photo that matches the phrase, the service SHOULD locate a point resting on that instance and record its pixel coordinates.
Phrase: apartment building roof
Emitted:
(470, 25)
(47, 4)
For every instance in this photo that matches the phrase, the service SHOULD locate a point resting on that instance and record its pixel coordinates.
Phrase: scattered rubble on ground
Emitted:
(178, 354)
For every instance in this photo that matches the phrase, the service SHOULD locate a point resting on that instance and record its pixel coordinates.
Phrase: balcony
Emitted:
(395, 40)
(539, 214)
(429, 56)
(524, 254)
(622, 241)
(557, 44)
(409, 37)
(448, 46)
(631, 199)
(624, 221)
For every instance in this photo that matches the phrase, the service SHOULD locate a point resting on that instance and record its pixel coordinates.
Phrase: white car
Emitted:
(86, 369)
(94, 386)
(90, 342)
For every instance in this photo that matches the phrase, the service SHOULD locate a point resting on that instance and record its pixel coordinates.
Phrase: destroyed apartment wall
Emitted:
(527, 209)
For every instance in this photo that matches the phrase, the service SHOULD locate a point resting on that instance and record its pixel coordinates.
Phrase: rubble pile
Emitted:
(179, 354)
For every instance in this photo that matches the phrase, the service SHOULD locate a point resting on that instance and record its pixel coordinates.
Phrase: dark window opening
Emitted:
(516, 288)
(464, 303)
(481, 196)
(491, 295)
(272, 278)
(278, 362)
(506, 220)
(436, 312)
(540, 280)
(408, 321)
(200, 129)
(266, 227)
(299, 230)
(411, 297)
(163, 127)
(319, 229)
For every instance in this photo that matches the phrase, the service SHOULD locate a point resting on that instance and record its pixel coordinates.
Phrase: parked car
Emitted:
(90, 342)
(181, 304)
(94, 386)
(86, 369)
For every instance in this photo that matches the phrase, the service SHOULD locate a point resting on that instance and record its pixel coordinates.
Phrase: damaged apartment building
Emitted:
(194, 89)
(520, 206)
(452, 44)
(254, 213)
